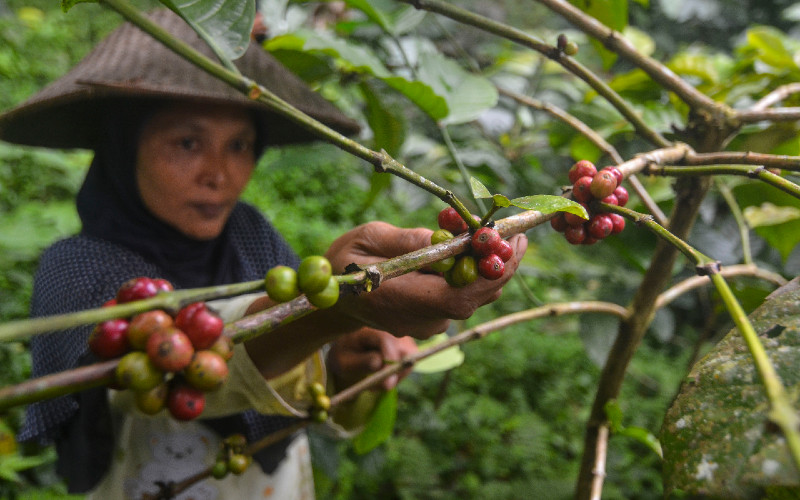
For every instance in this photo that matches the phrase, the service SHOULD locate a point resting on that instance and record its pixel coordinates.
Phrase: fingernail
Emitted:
(390, 382)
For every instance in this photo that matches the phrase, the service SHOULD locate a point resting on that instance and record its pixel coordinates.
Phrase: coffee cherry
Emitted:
(163, 285)
(574, 220)
(223, 346)
(144, 324)
(238, 463)
(109, 339)
(561, 42)
(281, 284)
(619, 223)
(170, 349)
(610, 199)
(600, 226)
(235, 442)
(450, 220)
(207, 371)
(136, 371)
(505, 250)
(441, 235)
(622, 196)
(136, 289)
(485, 241)
(491, 267)
(464, 272)
(152, 401)
(220, 469)
(314, 274)
(323, 402)
(589, 240)
(559, 223)
(185, 402)
(571, 48)
(443, 265)
(575, 234)
(603, 184)
(617, 173)
(202, 326)
(582, 168)
(318, 415)
(326, 297)
(316, 389)
(581, 189)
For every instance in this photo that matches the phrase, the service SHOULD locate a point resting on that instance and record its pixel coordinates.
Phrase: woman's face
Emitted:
(193, 162)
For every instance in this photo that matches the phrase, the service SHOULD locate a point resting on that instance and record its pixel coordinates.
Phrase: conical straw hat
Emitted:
(130, 64)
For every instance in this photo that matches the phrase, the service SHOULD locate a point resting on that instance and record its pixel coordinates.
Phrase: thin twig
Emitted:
(776, 96)
(599, 470)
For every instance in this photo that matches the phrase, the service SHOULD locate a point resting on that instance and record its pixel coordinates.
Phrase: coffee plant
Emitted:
(657, 167)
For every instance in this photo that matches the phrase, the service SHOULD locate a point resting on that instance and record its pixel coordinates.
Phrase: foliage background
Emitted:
(509, 422)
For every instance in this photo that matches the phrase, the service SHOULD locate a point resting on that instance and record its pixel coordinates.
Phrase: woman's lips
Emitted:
(210, 210)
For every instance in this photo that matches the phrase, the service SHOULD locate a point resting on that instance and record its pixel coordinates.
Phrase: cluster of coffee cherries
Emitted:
(320, 402)
(487, 256)
(589, 184)
(167, 361)
(313, 277)
(231, 457)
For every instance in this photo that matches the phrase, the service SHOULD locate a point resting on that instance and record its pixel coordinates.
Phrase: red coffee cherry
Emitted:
(109, 339)
(622, 196)
(170, 349)
(144, 324)
(485, 241)
(610, 199)
(450, 220)
(185, 402)
(616, 172)
(202, 326)
(491, 267)
(136, 289)
(223, 346)
(600, 226)
(582, 168)
(163, 285)
(559, 223)
(603, 184)
(619, 223)
(581, 189)
(575, 220)
(505, 250)
(575, 234)
(589, 240)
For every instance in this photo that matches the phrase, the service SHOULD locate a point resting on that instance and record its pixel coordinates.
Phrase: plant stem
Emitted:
(22, 329)
(757, 172)
(451, 148)
(744, 231)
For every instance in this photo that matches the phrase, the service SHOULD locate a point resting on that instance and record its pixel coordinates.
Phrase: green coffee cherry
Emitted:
(326, 297)
(281, 284)
(314, 274)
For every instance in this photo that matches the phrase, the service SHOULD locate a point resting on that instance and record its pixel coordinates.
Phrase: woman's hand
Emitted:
(356, 355)
(415, 304)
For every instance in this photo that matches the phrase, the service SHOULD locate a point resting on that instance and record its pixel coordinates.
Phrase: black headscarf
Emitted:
(111, 208)
(121, 239)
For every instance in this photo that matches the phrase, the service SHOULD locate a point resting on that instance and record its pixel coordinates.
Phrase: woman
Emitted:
(174, 149)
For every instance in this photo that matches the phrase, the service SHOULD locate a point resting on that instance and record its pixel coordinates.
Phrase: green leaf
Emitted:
(359, 59)
(548, 204)
(466, 95)
(501, 201)
(612, 13)
(784, 236)
(380, 425)
(388, 127)
(715, 435)
(224, 24)
(397, 22)
(614, 415)
(770, 45)
(478, 189)
(372, 13)
(769, 214)
(447, 359)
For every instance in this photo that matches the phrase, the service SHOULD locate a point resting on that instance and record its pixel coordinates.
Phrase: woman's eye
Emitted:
(188, 143)
(242, 146)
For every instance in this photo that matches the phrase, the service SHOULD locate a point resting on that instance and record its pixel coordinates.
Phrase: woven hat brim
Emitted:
(131, 65)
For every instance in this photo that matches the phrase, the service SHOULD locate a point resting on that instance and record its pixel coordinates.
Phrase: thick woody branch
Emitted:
(773, 115)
